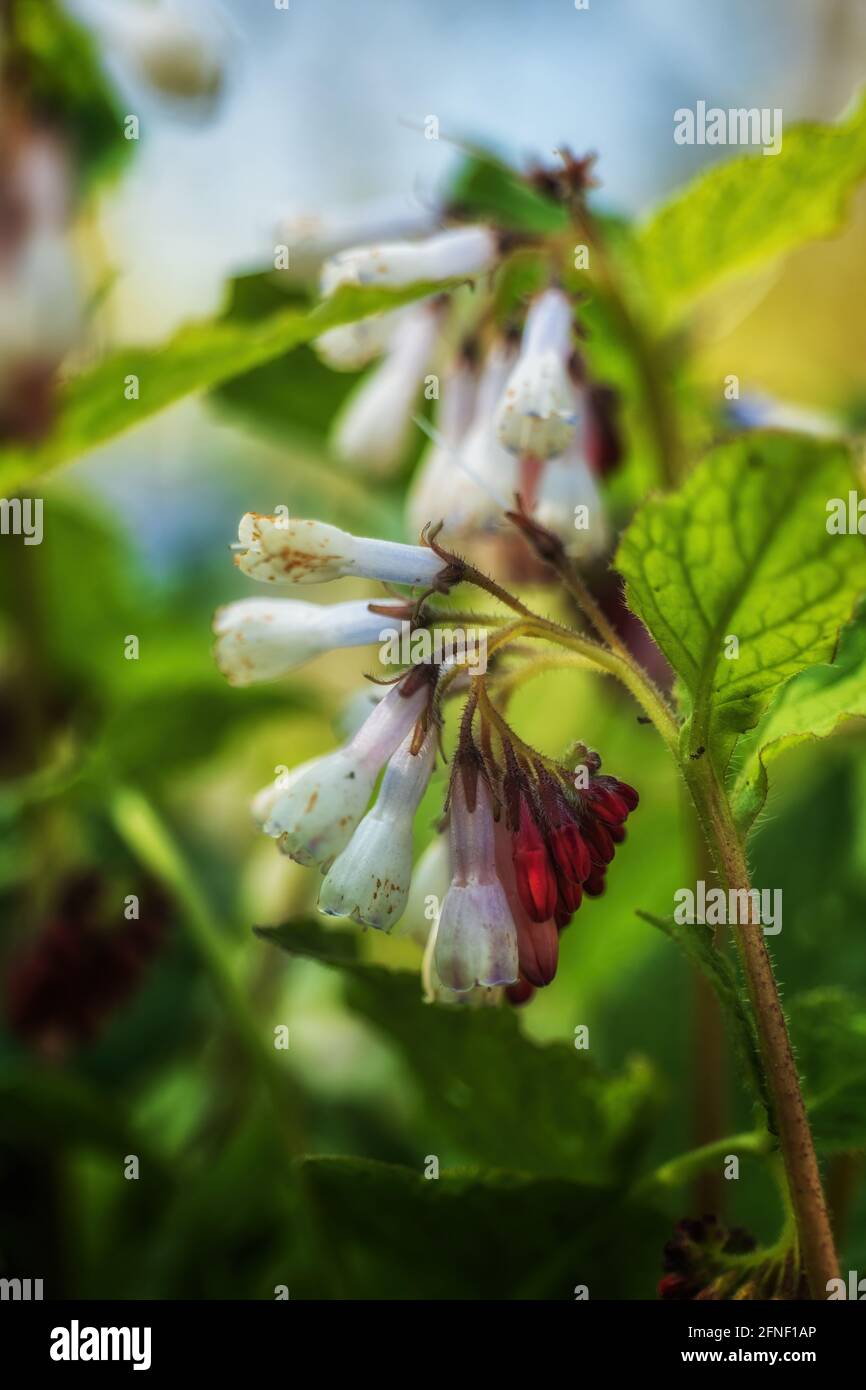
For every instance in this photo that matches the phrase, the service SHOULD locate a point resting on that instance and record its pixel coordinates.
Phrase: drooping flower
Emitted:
(372, 430)
(483, 476)
(462, 251)
(351, 346)
(370, 880)
(276, 549)
(321, 803)
(434, 475)
(476, 940)
(312, 239)
(539, 410)
(260, 639)
(569, 504)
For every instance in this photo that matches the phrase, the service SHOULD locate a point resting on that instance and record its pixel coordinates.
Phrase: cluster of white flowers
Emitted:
(517, 420)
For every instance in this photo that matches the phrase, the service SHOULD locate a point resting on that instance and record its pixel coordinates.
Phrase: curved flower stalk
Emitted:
(261, 639)
(372, 431)
(370, 880)
(458, 252)
(539, 410)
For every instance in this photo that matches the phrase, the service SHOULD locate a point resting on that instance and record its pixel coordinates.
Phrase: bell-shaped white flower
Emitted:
(276, 549)
(350, 346)
(449, 255)
(431, 878)
(372, 430)
(483, 479)
(321, 803)
(369, 881)
(180, 48)
(437, 465)
(569, 504)
(260, 639)
(538, 413)
(476, 939)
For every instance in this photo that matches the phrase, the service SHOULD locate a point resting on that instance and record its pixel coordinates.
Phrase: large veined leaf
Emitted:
(812, 705)
(739, 581)
(393, 1233)
(501, 1098)
(94, 406)
(751, 208)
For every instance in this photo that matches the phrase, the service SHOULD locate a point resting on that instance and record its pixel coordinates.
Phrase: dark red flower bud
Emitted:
(534, 874)
(562, 916)
(628, 794)
(570, 852)
(617, 833)
(595, 884)
(570, 895)
(538, 951)
(600, 844)
(520, 992)
(608, 806)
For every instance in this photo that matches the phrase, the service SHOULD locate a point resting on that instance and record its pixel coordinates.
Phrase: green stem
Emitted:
(152, 844)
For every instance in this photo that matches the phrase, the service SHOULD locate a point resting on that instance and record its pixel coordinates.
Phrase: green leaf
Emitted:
(749, 209)
(743, 550)
(94, 408)
(391, 1233)
(810, 706)
(485, 187)
(696, 943)
(503, 1099)
(56, 63)
(828, 1027)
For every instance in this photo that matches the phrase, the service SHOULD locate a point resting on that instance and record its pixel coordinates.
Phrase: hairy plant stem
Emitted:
(814, 1232)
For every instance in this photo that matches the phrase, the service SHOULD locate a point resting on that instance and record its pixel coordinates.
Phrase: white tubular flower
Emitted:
(538, 413)
(179, 49)
(476, 940)
(312, 239)
(369, 881)
(569, 504)
(260, 639)
(350, 346)
(484, 475)
(436, 466)
(280, 550)
(373, 427)
(449, 255)
(321, 803)
(431, 878)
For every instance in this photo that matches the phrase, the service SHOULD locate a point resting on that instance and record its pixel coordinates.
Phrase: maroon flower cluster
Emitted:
(561, 839)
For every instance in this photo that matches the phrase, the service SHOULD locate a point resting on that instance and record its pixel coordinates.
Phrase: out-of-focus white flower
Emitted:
(312, 239)
(260, 639)
(372, 430)
(321, 803)
(276, 549)
(369, 881)
(538, 413)
(484, 476)
(431, 878)
(40, 306)
(449, 255)
(435, 469)
(350, 346)
(178, 47)
(476, 939)
(569, 504)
